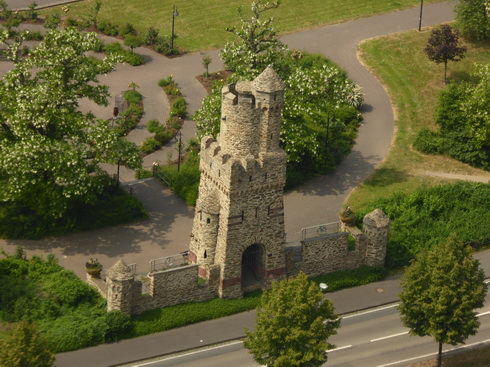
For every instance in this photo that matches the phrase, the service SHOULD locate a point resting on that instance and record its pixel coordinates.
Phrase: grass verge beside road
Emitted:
(413, 83)
(201, 24)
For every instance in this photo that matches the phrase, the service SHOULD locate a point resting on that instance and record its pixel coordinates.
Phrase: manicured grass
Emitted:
(413, 83)
(201, 23)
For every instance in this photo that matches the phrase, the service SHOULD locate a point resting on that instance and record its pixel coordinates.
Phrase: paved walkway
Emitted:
(167, 230)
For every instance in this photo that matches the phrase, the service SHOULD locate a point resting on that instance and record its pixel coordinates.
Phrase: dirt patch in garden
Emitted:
(208, 81)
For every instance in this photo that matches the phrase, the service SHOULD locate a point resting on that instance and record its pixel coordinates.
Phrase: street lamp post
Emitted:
(420, 17)
(175, 13)
(180, 151)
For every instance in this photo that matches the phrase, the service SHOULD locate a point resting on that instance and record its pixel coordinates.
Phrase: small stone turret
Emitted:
(239, 133)
(376, 226)
(120, 280)
(269, 94)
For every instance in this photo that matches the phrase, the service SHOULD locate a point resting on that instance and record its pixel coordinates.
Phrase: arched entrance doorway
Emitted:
(252, 266)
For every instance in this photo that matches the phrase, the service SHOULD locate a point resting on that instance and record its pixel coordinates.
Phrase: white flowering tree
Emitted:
(319, 96)
(49, 149)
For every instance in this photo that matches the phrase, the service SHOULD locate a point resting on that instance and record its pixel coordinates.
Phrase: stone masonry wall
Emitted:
(167, 288)
(330, 253)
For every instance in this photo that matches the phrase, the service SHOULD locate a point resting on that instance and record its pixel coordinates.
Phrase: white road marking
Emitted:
(389, 336)
(187, 354)
(371, 311)
(433, 354)
(483, 314)
(339, 348)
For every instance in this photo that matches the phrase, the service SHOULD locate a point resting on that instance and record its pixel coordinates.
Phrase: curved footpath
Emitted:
(166, 231)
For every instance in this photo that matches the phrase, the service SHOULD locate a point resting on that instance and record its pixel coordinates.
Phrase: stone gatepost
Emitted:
(376, 226)
(120, 281)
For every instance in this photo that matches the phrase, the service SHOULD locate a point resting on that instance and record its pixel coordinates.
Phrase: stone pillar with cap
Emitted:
(376, 226)
(120, 281)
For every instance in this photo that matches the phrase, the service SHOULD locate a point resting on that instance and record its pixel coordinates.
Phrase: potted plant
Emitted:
(347, 216)
(93, 267)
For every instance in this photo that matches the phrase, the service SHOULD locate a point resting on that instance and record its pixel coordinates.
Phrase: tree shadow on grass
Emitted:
(385, 177)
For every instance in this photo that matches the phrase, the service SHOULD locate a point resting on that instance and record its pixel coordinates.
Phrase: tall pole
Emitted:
(174, 14)
(420, 17)
(180, 150)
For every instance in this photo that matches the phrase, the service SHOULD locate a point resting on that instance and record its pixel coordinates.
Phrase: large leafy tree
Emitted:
(443, 46)
(24, 346)
(49, 149)
(473, 18)
(440, 292)
(294, 322)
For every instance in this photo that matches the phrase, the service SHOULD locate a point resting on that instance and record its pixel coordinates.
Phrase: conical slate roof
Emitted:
(119, 271)
(268, 81)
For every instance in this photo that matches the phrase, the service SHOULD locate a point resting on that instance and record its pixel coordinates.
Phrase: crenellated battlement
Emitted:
(238, 237)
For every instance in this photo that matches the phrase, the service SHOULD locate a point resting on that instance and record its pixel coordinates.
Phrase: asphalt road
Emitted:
(374, 338)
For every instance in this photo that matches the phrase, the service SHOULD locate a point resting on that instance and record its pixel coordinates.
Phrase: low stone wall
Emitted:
(98, 284)
(180, 285)
(314, 256)
(167, 288)
(330, 253)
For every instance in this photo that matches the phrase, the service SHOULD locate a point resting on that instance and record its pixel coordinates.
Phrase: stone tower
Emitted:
(239, 220)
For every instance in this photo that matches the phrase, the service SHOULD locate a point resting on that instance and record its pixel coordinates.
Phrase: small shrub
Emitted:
(149, 145)
(127, 28)
(133, 59)
(172, 90)
(178, 108)
(130, 118)
(98, 47)
(113, 47)
(52, 21)
(162, 45)
(108, 28)
(32, 13)
(33, 36)
(132, 41)
(154, 126)
(429, 142)
(175, 123)
(166, 82)
(133, 96)
(150, 37)
(164, 136)
(72, 22)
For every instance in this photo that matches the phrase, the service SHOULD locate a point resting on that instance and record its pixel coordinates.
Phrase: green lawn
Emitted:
(413, 83)
(201, 23)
